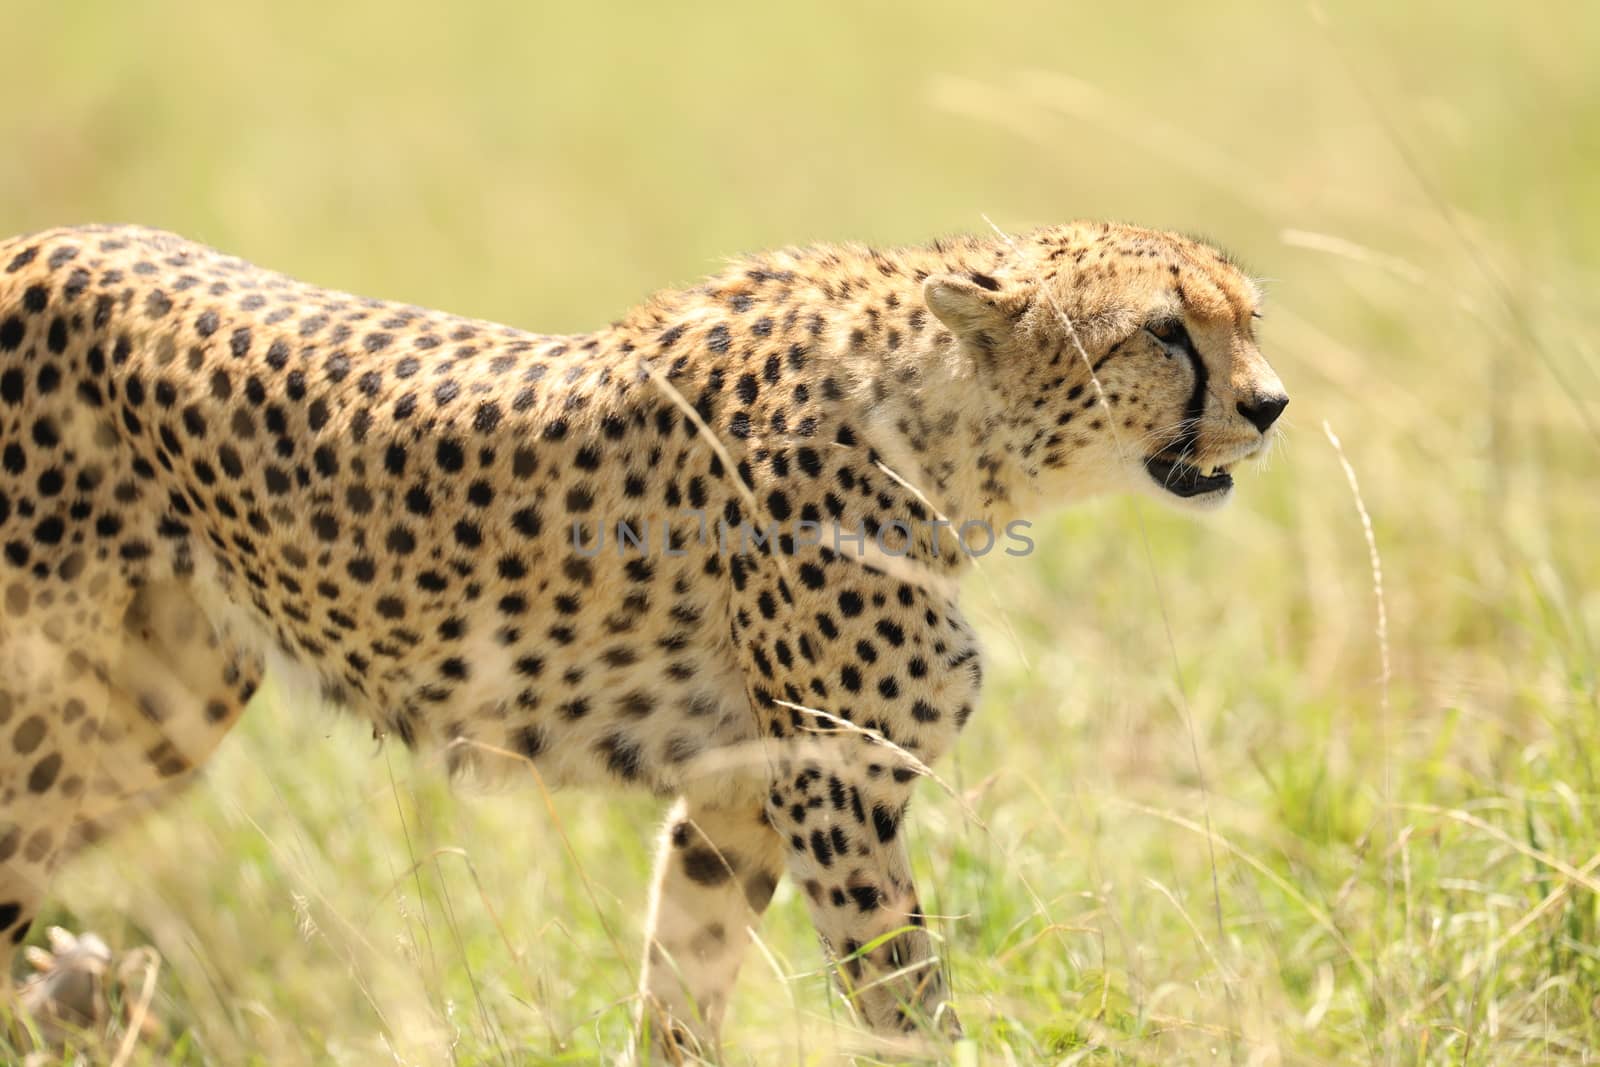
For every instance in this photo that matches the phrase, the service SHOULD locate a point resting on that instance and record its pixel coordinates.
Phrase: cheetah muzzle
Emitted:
(206, 468)
(1186, 480)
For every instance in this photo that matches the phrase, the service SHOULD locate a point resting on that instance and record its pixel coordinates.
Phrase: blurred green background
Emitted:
(1398, 869)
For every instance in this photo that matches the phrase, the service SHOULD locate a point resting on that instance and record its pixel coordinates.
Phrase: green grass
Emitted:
(1395, 873)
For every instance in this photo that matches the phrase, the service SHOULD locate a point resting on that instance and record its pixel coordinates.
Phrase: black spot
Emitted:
(49, 531)
(758, 890)
(401, 541)
(865, 896)
(529, 741)
(44, 773)
(637, 704)
(325, 526)
(22, 259)
(526, 521)
(623, 756)
(821, 849)
(886, 821)
(449, 456)
(705, 867)
(487, 417)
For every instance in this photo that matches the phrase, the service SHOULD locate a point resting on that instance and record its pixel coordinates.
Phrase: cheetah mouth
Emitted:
(1186, 480)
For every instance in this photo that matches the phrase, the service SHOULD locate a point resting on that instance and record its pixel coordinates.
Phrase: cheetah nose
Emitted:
(1263, 411)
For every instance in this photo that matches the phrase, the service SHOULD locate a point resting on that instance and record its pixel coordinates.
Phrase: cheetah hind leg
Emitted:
(76, 985)
(48, 737)
(127, 717)
(178, 688)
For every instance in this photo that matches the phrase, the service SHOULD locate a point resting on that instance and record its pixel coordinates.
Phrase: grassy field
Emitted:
(1212, 809)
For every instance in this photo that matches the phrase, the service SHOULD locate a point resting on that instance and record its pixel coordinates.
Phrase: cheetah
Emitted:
(710, 550)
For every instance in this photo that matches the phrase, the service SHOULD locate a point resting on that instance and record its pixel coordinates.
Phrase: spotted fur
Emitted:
(207, 469)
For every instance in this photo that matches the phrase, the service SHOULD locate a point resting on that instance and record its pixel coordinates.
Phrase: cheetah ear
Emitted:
(969, 303)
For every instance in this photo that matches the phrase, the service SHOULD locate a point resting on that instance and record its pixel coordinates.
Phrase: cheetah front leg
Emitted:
(846, 853)
(716, 869)
(861, 679)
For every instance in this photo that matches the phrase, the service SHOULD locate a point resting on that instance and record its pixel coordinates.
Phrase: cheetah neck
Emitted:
(850, 323)
(941, 429)
(956, 435)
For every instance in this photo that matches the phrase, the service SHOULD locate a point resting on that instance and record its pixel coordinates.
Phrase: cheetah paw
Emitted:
(76, 984)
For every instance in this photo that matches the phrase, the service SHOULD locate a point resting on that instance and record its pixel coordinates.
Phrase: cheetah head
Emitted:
(1127, 357)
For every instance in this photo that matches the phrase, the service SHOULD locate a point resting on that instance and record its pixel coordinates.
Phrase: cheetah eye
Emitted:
(1171, 333)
